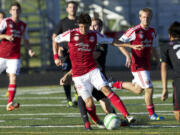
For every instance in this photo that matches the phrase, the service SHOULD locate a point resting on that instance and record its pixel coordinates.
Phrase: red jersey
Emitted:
(81, 49)
(146, 37)
(11, 50)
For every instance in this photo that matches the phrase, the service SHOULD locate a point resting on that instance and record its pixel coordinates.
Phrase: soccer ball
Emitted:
(112, 121)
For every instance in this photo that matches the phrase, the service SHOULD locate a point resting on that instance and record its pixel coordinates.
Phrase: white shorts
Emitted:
(142, 78)
(12, 66)
(84, 84)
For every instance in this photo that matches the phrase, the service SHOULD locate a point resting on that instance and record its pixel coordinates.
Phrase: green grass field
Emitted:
(43, 112)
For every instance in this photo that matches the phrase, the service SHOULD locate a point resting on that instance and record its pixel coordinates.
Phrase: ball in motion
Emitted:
(112, 121)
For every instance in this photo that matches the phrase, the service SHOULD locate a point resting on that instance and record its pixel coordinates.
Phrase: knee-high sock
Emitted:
(118, 104)
(150, 109)
(12, 92)
(82, 109)
(92, 113)
(67, 89)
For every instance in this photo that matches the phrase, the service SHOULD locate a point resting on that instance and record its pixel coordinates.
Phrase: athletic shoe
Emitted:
(87, 126)
(155, 117)
(11, 106)
(100, 124)
(69, 104)
(124, 123)
(130, 119)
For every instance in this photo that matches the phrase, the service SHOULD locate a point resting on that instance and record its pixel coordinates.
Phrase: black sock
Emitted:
(82, 109)
(67, 89)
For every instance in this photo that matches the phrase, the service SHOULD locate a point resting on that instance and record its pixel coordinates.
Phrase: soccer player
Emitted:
(170, 55)
(140, 67)
(85, 74)
(65, 24)
(12, 30)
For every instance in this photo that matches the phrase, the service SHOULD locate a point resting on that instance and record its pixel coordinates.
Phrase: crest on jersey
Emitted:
(92, 39)
(76, 38)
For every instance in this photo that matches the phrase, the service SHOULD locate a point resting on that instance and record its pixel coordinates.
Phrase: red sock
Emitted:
(150, 109)
(116, 101)
(92, 113)
(12, 91)
(118, 84)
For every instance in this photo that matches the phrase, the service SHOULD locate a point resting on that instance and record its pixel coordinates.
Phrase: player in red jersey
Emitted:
(85, 74)
(140, 67)
(12, 30)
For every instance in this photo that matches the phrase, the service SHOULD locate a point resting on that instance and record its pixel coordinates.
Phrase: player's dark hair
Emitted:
(72, 2)
(84, 18)
(99, 21)
(3, 13)
(174, 30)
(15, 4)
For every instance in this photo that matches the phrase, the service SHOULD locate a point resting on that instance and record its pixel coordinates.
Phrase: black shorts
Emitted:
(176, 94)
(97, 94)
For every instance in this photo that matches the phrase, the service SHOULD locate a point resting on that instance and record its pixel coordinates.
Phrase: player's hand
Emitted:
(9, 37)
(137, 47)
(31, 53)
(164, 95)
(58, 62)
(62, 81)
(128, 62)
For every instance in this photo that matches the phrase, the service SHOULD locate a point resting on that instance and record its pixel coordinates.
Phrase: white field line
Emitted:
(55, 98)
(60, 105)
(81, 126)
(78, 114)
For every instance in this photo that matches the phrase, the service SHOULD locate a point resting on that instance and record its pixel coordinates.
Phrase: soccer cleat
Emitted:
(130, 119)
(69, 104)
(87, 126)
(11, 106)
(124, 123)
(155, 117)
(100, 124)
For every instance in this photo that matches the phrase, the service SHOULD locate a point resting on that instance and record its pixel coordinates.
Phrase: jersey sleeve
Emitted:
(128, 36)
(64, 37)
(102, 39)
(25, 34)
(3, 26)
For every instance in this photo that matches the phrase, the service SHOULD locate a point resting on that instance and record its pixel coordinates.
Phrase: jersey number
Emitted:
(177, 51)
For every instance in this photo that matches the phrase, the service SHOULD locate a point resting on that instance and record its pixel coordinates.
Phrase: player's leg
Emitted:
(176, 98)
(103, 100)
(142, 78)
(84, 89)
(13, 69)
(100, 83)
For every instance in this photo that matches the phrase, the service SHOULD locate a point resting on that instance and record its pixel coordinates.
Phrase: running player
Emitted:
(65, 24)
(12, 30)
(85, 74)
(140, 67)
(170, 55)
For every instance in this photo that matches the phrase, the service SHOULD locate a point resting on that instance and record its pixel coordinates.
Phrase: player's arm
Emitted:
(27, 43)
(55, 48)
(65, 78)
(164, 94)
(3, 26)
(155, 53)
(64, 37)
